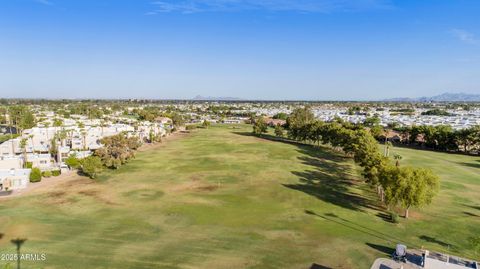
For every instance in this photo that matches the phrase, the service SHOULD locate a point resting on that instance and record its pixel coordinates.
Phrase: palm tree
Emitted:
(62, 135)
(388, 145)
(80, 125)
(151, 136)
(54, 146)
(103, 124)
(47, 124)
(397, 158)
(33, 145)
(11, 134)
(70, 136)
(84, 135)
(23, 145)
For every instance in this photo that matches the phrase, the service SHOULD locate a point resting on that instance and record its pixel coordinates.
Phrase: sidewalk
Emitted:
(384, 263)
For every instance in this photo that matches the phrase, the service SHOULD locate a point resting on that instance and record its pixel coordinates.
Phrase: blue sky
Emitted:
(256, 49)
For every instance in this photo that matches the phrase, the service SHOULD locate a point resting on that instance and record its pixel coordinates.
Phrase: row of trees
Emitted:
(442, 138)
(396, 185)
(18, 116)
(151, 113)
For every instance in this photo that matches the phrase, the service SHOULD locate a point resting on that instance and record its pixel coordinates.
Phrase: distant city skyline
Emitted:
(249, 49)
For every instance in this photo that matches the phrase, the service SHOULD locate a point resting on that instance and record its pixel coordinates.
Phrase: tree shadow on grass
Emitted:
(332, 217)
(477, 207)
(318, 266)
(271, 138)
(328, 178)
(381, 248)
(470, 214)
(435, 241)
(472, 165)
(328, 189)
(385, 217)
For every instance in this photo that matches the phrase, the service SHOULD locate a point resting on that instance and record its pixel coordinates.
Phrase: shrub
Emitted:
(206, 124)
(47, 174)
(35, 175)
(72, 162)
(394, 217)
(92, 166)
(29, 165)
(56, 173)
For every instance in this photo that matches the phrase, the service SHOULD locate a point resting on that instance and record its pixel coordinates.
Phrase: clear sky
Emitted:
(255, 49)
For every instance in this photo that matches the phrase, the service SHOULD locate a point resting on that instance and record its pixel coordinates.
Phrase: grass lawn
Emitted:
(220, 198)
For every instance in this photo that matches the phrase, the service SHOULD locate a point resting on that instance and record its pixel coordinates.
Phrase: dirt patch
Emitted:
(171, 137)
(283, 234)
(195, 178)
(182, 187)
(95, 194)
(207, 188)
(80, 181)
(91, 193)
(144, 194)
(194, 185)
(57, 194)
(58, 198)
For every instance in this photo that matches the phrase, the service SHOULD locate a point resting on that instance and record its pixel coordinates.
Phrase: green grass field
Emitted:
(220, 198)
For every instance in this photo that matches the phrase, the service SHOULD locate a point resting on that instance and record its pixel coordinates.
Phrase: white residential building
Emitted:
(14, 179)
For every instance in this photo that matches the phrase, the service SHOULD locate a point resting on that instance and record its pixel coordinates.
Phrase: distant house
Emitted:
(274, 122)
(11, 162)
(420, 139)
(10, 147)
(232, 121)
(393, 136)
(63, 154)
(42, 161)
(163, 120)
(14, 179)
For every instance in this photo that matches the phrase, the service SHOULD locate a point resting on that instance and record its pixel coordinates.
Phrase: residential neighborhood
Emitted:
(75, 136)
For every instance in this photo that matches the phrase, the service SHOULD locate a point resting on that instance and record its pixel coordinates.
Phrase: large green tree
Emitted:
(410, 187)
(279, 130)
(21, 117)
(91, 166)
(299, 118)
(117, 150)
(259, 126)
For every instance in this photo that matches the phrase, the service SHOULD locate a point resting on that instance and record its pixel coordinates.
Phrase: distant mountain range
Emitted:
(210, 98)
(445, 97)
